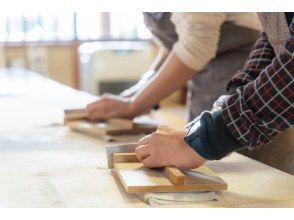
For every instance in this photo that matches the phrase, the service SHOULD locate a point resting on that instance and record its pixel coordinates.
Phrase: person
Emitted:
(194, 47)
(259, 105)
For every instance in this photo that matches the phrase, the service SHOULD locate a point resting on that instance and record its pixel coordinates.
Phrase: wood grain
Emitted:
(105, 128)
(138, 179)
(172, 173)
(125, 123)
(175, 175)
(125, 158)
(74, 114)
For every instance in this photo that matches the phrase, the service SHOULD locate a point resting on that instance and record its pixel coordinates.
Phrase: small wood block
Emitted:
(175, 175)
(125, 123)
(125, 158)
(74, 114)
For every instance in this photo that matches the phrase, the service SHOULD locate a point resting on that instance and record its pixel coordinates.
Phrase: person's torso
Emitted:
(232, 36)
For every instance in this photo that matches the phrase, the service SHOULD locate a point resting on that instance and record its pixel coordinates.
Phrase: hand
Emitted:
(109, 106)
(166, 147)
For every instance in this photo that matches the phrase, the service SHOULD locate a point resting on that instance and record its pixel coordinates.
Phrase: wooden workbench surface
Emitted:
(44, 164)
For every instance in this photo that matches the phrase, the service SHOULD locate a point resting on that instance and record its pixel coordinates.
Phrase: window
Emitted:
(70, 26)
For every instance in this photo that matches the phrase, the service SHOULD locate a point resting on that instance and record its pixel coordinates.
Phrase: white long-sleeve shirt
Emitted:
(199, 34)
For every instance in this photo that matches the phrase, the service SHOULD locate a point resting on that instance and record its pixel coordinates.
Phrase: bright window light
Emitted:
(72, 25)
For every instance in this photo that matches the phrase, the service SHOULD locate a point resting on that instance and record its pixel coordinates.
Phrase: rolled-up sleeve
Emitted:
(199, 34)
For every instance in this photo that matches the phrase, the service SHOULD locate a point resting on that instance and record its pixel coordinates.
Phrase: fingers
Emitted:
(151, 162)
(142, 152)
(98, 110)
(165, 128)
(145, 140)
(144, 155)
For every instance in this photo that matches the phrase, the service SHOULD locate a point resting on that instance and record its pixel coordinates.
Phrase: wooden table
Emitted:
(44, 164)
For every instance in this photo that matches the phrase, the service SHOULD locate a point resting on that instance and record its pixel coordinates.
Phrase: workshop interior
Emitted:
(120, 109)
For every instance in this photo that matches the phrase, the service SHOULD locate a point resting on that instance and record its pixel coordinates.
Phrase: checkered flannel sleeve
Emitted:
(261, 56)
(262, 106)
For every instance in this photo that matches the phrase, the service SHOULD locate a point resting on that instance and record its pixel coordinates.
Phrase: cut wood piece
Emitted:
(138, 179)
(175, 175)
(125, 158)
(125, 123)
(144, 123)
(172, 173)
(74, 114)
(106, 128)
(121, 148)
(100, 128)
(74, 111)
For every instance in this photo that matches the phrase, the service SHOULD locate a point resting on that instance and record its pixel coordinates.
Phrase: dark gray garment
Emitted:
(163, 30)
(276, 28)
(205, 87)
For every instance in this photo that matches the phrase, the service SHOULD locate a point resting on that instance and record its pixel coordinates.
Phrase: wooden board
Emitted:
(175, 175)
(138, 179)
(74, 114)
(110, 128)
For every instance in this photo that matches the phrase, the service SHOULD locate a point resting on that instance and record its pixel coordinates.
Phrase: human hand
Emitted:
(166, 147)
(110, 106)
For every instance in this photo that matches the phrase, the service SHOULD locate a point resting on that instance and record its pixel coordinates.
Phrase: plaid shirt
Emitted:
(262, 105)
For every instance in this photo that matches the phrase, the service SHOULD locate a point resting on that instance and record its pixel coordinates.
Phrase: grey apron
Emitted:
(205, 87)
(276, 28)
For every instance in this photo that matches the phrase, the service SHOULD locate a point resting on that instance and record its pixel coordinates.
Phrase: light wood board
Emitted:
(74, 114)
(175, 175)
(138, 179)
(106, 128)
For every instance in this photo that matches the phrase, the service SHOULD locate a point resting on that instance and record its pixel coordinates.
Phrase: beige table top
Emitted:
(44, 164)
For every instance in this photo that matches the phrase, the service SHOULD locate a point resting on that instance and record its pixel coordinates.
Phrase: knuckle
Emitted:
(163, 127)
(137, 151)
(154, 136)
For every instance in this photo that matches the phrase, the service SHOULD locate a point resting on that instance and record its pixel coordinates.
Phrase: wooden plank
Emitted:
(125, 158)
(99, 128)
(172, 173)
(138, 179)
(125, 123)
(105, 128)
(74, 114)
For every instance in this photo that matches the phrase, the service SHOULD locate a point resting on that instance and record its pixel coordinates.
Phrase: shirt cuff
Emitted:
(199, 147)
(216, 137)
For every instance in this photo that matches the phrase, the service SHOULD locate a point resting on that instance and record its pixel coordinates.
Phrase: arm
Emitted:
(251, 117)
(159, 60)
(190, 54)
(162, 84)
(261, 56)
(258, 111)
(198, 41)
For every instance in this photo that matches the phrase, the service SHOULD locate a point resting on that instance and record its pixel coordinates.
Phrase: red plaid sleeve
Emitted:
(261, 56)
(263, 106)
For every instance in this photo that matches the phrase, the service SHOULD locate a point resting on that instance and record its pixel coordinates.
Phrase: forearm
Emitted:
(172, 75)
(159, 60)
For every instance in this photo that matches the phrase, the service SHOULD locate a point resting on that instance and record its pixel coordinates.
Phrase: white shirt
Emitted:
(199, 33)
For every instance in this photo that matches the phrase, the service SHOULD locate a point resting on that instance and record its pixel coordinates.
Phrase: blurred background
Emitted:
(79, 49)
